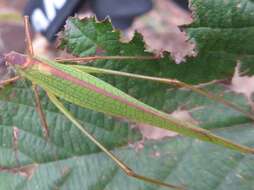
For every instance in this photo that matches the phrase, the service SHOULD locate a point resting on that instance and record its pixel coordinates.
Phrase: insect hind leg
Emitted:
(29, 45)
(40, 111)
(8, 81)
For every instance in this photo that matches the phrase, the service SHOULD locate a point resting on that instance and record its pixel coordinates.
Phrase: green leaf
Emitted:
(223, 32)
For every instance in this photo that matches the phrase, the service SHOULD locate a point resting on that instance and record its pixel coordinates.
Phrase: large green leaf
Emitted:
(68, 160)
(223, 33)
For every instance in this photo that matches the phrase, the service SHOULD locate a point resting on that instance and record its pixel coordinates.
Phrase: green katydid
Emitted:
(74, 84)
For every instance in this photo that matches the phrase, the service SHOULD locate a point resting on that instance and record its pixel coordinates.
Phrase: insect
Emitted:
(74, 84)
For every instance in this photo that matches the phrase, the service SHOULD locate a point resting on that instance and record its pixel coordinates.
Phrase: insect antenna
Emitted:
(97, 57)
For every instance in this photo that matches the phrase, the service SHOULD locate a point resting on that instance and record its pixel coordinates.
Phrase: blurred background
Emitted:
(157, 20)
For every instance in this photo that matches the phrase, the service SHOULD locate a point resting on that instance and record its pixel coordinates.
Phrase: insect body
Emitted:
(82, 88)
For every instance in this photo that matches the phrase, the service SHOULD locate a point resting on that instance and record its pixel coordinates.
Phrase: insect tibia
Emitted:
(133, 174)
(5, 82)
(14, 58)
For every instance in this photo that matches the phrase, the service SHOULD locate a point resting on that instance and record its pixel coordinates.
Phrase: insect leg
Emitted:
(40, 111)
(119, 163)
(174, 82)
(7, 81)
(29, 45)
(97, 57)
(34, 87)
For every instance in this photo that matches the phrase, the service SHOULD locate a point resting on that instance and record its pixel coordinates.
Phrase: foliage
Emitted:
(67, 160)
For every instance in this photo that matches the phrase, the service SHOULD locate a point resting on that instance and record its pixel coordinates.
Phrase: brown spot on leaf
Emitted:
(243, 84)
(15, 134)
(25, 171)
(154, 133)
(155, 154)
(65, 170)
(184, 115)
(137, 146)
